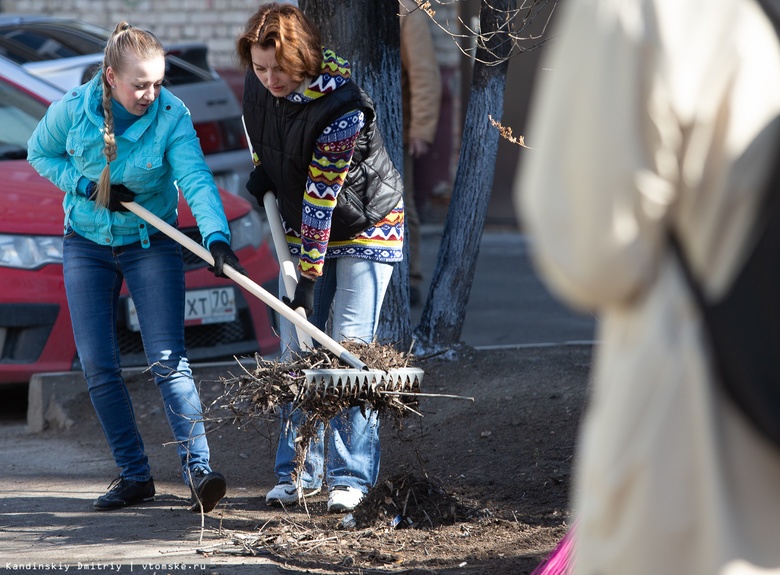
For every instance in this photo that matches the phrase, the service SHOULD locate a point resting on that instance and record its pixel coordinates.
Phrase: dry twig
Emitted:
(507, 134)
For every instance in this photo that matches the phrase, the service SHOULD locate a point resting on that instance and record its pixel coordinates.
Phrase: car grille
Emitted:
(25, 329)
(192, 261)
(213, 341)
(195, 336)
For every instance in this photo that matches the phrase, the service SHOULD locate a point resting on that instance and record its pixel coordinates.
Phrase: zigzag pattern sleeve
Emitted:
(327, 171)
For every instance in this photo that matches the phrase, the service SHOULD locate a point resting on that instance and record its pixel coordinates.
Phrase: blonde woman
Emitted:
(123, 137)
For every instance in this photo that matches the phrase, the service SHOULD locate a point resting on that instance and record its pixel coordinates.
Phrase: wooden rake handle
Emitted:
(250, 286)
(289, 275)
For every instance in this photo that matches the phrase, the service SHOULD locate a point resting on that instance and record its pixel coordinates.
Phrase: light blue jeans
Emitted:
(155, 278)
(355, 288)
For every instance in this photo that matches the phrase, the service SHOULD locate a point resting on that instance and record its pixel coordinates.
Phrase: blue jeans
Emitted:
(155, 278)
(355, 288)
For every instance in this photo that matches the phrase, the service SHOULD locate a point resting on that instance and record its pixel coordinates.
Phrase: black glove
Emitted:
(259, 183)
(304, 296)
(119, 194)
(222, 255)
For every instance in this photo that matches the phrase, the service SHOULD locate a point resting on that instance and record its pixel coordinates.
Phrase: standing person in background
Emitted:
(341, 199)
(122, 137)
(421, 98)
(658, 115)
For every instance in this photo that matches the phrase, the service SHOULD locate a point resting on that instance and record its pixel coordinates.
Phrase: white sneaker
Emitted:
(285, 493)
(344, 498)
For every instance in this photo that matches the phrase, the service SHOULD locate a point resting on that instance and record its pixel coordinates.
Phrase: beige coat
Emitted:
(653, 113)
(421, 78)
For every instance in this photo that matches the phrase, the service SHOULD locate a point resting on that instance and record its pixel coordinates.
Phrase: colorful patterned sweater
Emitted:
(328, 168)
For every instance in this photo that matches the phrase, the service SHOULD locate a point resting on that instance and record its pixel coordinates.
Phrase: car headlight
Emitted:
(248, 230)
(29, 252)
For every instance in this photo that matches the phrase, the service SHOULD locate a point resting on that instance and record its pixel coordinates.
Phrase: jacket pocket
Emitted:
(75, 148)
(85, 151)
(147, 170)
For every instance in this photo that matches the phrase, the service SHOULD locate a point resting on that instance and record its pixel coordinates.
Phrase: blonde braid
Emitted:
(109, 150)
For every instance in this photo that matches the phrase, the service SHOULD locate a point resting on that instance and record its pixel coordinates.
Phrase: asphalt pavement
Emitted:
(509, 305)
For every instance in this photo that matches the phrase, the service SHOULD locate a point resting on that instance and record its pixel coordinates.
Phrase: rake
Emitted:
(358, 382)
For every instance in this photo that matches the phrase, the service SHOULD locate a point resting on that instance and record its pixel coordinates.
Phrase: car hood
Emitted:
(30, 204)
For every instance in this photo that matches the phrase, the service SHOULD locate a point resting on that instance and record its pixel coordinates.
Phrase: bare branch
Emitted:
(521, 29)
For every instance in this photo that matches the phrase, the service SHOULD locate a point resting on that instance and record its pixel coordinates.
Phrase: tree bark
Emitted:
(374, 51)
(442, 319)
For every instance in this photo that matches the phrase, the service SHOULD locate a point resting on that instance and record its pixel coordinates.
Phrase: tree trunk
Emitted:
(374, 52)
(445, 308)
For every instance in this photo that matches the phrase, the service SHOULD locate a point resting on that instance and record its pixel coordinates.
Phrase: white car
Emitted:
(68, 52)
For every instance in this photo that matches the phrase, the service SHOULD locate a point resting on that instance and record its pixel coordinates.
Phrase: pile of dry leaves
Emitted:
(409, 500)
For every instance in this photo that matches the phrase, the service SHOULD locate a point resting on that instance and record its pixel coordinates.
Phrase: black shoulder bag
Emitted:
(743, 327)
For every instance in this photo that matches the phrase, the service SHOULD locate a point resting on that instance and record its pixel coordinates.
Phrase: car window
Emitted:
(179, 72)
(19, 115)
(29, 43)
(40, 42)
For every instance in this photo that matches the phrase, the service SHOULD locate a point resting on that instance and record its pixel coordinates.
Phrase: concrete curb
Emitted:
(47, 397)
(50, 393)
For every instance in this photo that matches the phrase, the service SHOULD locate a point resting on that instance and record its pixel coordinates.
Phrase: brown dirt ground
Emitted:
(486, 483)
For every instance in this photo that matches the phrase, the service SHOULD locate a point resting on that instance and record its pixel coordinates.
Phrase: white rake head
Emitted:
(362, 383)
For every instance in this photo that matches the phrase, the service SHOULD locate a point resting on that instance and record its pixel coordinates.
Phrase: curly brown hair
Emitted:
(293, 35)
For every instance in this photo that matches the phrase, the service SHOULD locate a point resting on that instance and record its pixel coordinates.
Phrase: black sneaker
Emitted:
(207, 489)
(123, 492)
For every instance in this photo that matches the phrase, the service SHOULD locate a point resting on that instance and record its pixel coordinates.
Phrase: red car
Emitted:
(223, 320)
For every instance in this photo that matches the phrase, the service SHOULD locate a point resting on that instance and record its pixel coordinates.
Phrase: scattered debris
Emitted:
(408, 500)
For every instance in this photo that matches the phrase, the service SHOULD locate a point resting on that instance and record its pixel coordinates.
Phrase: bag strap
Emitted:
(769, 204)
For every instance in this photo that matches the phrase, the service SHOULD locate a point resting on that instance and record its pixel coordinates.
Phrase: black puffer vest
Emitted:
(283, 134)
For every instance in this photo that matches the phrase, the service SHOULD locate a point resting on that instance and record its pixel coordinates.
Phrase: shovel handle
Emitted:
(246, 283)
(289, 275)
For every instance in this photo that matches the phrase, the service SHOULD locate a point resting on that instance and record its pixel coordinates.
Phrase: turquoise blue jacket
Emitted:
(157, 154)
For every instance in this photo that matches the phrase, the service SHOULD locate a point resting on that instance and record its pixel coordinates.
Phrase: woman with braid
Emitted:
(319, 148)
(123, 137)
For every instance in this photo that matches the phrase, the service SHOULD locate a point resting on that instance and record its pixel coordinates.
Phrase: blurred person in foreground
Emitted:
(319, 149)
(421, 101)
(122, 137)
(654, 115)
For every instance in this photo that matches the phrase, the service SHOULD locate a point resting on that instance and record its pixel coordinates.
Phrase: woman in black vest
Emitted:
(319, 149)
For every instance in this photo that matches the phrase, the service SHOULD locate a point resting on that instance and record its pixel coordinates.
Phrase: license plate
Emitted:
(202, 306)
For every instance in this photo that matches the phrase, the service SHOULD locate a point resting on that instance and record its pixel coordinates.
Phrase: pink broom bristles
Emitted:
(561, 560)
